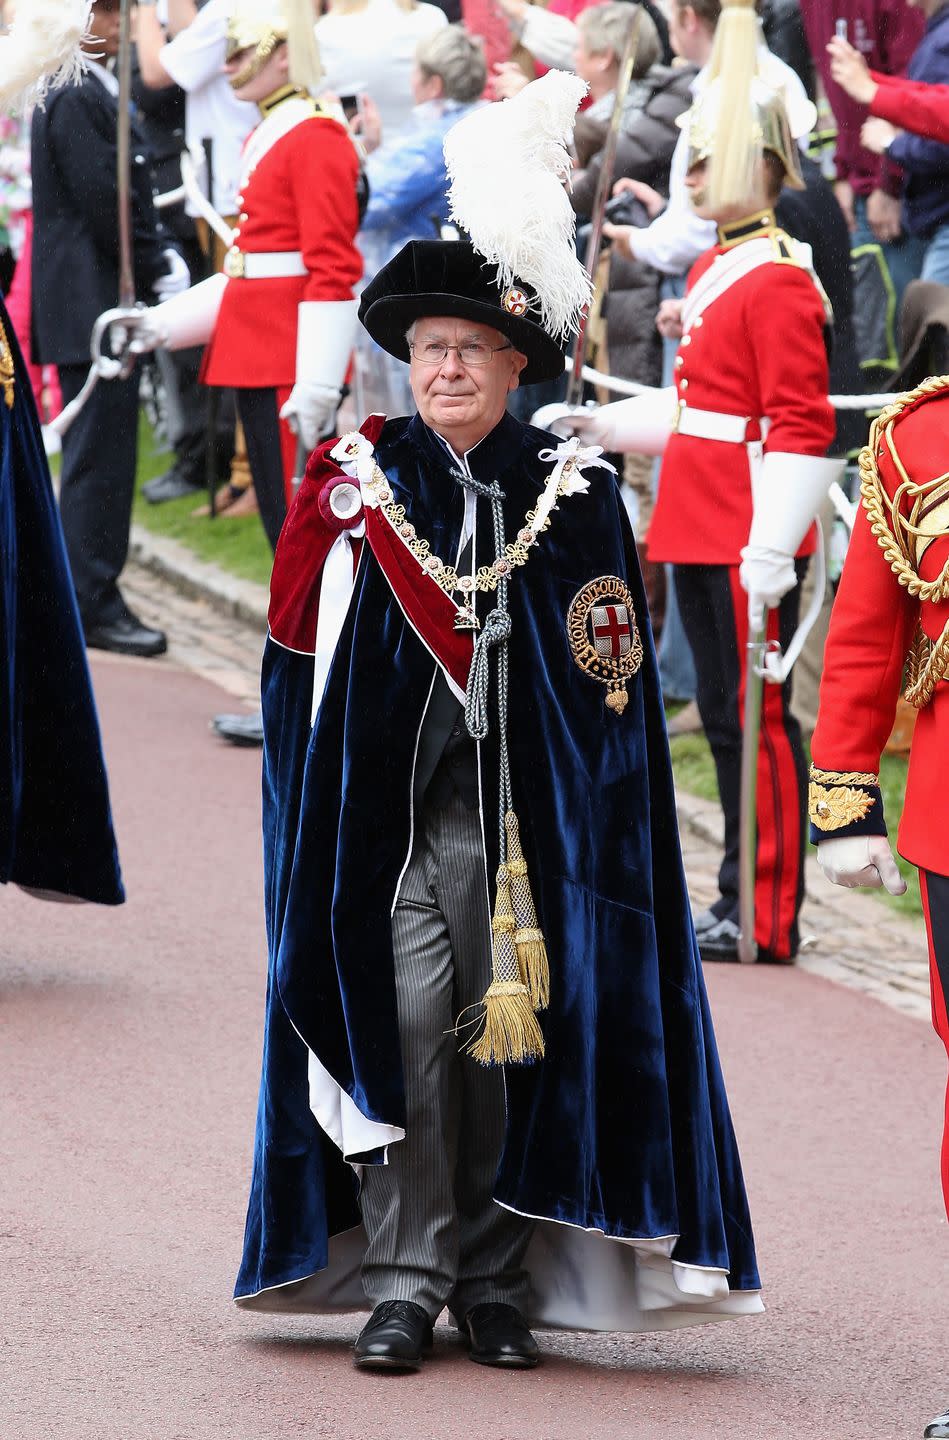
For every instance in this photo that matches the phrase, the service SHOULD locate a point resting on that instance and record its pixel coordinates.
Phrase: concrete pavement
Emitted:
(130, 1052)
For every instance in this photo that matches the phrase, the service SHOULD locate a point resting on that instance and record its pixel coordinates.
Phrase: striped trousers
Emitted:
(714, 611)
(435, 1234)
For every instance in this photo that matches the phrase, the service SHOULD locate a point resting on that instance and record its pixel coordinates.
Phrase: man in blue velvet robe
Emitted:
(56, 836)
(598, 1187)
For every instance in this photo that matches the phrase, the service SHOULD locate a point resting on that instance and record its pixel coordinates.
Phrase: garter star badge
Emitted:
(604, 638)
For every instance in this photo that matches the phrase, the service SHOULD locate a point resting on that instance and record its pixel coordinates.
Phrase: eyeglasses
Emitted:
(434, 352)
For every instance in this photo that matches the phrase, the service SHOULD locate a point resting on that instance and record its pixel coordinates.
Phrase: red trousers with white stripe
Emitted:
(935, 895)
(714, 612)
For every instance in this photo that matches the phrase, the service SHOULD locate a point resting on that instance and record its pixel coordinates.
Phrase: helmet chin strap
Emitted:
(258, 59)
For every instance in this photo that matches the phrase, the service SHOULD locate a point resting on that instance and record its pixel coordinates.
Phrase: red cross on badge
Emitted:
(612, 633)
(515, 301)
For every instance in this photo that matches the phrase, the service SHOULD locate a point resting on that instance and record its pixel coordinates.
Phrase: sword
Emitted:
(748, 804)
(603, 188)
(124, 364)
(123, 159)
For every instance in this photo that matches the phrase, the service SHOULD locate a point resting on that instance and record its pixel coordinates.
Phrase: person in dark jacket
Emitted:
(161, 118)
(813, 217)
(75, 278)
(647, 138)
(925, 163)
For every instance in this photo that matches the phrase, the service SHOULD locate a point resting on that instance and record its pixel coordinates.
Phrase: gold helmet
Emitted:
(259, 26)
(766, 127)
(743, 111)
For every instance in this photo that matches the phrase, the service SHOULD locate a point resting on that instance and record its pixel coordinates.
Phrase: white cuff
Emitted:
(189, 318)
(787, 492)
(326, 333)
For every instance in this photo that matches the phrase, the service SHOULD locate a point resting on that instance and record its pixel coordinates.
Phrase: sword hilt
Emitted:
(115, 367)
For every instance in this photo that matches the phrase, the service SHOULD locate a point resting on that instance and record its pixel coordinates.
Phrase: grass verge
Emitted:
(237, 545)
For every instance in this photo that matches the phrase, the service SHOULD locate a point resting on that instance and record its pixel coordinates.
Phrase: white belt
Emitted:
(263, 264)
(713, 425)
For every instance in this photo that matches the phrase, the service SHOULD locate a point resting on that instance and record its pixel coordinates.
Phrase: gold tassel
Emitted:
(511, 1034)
(528, 936)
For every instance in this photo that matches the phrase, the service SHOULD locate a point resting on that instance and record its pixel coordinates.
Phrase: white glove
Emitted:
(641, 425)
(310, 410)
(135, 334)
(568, 420)
(766, 575)
(860, 860)
(177, 278)
(187, 319)
(326, 331)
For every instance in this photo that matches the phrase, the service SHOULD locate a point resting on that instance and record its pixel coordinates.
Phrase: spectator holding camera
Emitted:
(408, 185)
(367, 48)
(647, 139)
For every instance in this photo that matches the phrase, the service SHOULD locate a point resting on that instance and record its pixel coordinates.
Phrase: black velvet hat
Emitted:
(450, 277)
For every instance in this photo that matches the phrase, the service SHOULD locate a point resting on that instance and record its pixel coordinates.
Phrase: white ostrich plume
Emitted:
(509, 167)
(42, 49)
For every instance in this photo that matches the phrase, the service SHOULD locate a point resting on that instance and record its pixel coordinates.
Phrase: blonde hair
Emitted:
(457, 58)
(606, 28)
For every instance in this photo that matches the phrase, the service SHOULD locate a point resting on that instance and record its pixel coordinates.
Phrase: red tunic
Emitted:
(758, 351)
(298, 194)
(871, 628)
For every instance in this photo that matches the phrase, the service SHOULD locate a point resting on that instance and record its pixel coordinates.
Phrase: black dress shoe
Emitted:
(126, 636)
(937, 1429)
(719, 941)
(498, 1335)
(394, 1337)
(170, 486)
(240, 729)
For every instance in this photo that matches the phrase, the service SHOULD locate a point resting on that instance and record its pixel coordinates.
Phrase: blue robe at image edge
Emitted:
(624, 1126)
(55, 821)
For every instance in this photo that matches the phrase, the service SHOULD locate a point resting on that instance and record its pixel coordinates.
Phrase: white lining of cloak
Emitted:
(334, 1109)
(577, 1282)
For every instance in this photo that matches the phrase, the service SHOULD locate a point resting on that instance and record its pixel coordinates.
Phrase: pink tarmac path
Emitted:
(129, 1045)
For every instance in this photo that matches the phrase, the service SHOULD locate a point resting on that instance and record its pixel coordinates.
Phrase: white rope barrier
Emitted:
(633, 387)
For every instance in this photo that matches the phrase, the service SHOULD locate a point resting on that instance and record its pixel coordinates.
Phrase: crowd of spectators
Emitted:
(403, 72)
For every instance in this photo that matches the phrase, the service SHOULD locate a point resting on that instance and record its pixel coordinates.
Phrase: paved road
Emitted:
(130, 1047)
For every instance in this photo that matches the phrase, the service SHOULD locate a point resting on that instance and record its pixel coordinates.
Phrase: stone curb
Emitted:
(199, 579)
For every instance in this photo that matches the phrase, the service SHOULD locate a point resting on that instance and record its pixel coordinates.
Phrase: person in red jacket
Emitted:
(890, 617)
(908, 104)
(737, 495)
(279, 323)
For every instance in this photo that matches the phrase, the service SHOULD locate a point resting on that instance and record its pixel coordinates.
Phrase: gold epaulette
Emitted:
(836, 798)
(904, 525)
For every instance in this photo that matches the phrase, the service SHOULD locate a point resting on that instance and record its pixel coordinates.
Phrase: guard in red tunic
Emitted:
(890, 623)
(743, 432)
(280, 322)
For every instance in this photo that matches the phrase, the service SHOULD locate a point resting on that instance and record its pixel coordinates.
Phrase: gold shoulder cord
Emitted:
(897, 535)
(6, 368)
(835, 797)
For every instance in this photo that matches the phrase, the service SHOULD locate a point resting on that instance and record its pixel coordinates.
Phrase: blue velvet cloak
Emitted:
(55, 822)
(621, 1137)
